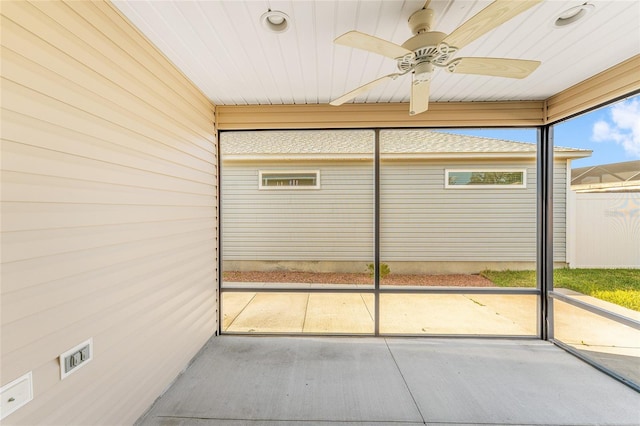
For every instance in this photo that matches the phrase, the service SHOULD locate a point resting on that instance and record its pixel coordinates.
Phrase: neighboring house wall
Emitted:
(606, 230)
(422, 221)
(108, 213)
(333, 224)
(424, 226)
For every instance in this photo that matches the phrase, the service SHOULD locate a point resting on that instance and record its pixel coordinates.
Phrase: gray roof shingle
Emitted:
(332, 143)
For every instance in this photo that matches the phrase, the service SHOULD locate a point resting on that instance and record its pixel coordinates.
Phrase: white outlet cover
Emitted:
(76, 348)
(16, 394)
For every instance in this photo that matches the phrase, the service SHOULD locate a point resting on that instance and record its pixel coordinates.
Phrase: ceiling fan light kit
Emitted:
(427, 49)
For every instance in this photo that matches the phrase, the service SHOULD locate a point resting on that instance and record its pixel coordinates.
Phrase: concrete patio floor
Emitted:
(399, 313)
(251, 380)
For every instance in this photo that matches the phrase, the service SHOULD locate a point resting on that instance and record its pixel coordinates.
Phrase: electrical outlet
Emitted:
(76, 357)
(16, 394)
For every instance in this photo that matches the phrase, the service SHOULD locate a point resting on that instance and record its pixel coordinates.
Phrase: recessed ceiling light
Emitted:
(275, 21)
(572, 15)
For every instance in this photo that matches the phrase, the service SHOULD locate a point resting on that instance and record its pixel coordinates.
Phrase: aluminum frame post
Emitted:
(544, 228)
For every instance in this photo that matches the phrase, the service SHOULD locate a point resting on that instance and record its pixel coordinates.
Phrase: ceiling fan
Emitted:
(428, 49)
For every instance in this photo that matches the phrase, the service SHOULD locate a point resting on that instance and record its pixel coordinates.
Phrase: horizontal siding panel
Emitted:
(298, 224)
(309, 250)
(41, 188)
(18, 158)
(103, 402)
(427, 198)
(460, 250)
(30, 272)
(470, 246)
(303, 230)
(458, 220)
(460, 223)
(114, 319)
(41, 243)
(144, 53)
(28, 301)
(311, 244)
(32, 328)
(413, 199)
(20, 98)
(453, 256)
(19, 216)
(470, 241)
(90, 52)
(195, 318)
(109, 212)
(137, 327)
(434, 228)
(337, 256)
(281, 199)
(110, 148)
(467, 238)
(63, 85)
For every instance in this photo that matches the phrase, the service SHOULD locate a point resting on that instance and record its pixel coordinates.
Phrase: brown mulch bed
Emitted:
(450, 280)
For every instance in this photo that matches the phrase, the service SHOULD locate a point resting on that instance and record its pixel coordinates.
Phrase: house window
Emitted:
(289, 179)
(486, 178)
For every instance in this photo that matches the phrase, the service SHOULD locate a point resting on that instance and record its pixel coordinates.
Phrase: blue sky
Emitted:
(612, 133)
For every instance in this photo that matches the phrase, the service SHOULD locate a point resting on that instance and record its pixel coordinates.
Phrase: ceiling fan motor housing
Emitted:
(426, 47)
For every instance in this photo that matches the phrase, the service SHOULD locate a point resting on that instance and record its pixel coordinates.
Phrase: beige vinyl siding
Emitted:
(109, 217)
(334, 222)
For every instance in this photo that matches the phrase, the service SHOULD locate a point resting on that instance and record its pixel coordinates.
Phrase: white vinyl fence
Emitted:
(605, 230)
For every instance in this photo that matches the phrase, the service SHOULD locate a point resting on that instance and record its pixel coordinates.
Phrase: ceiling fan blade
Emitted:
(497, 67)
(492, 16)
(419, 101)
(355, 92)
(372, 44)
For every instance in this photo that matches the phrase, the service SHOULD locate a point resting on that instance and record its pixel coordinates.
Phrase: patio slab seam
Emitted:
(395, 362)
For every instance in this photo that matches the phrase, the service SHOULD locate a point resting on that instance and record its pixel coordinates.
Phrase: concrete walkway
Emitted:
(459, 314)
(352, 313)
(249, 380)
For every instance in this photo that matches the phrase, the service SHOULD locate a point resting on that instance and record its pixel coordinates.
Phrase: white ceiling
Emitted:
(222, 47)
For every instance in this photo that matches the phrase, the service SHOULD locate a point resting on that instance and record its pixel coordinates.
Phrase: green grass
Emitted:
(619, 286)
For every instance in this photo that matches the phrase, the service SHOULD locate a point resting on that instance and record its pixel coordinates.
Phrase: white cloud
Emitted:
(623, 127)
(601, 131)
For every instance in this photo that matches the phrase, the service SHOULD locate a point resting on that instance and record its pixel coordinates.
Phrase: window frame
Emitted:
(261, 173)
(523, 185)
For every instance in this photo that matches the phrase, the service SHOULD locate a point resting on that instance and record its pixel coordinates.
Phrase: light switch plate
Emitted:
(76, 357)
(16, 394)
